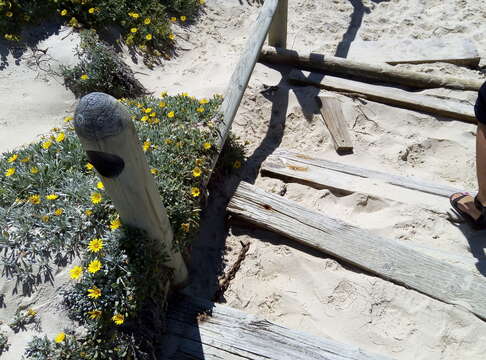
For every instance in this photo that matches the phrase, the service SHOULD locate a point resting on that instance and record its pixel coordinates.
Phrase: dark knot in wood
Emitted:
(99, 116)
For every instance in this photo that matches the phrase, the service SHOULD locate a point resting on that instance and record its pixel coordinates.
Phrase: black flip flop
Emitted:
(476, 224)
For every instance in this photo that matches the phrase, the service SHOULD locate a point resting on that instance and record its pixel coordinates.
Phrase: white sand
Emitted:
(283, 282)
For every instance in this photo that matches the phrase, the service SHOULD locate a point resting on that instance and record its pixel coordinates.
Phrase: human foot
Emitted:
(472, 211)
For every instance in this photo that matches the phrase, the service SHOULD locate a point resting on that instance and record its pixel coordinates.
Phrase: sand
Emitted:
(279, 280)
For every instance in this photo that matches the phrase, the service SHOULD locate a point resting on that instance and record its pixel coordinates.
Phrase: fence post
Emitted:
(277, 37)
(108, 136)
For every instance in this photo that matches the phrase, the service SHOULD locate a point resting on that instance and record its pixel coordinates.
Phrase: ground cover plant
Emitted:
(53, 209)
(142, 23)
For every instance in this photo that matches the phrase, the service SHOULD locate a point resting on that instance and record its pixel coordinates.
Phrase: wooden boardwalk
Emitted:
(202, 330)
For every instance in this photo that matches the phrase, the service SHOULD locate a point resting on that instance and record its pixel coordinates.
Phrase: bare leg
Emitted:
(467, 203)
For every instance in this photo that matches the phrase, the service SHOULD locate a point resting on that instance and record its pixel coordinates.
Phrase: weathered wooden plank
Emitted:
(323, 178)
(392, 96)
(333, 116)
(381, 72)
(226, 333)
(277, 36)
(390, 259)
(460, 51)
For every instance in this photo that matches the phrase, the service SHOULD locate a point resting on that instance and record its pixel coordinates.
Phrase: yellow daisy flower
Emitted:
(60, 337)
(162, 104)
(196, 172)
(115, 224)
(163, 93)
(52, 197)
(35, 199)
(195, 192)
(95, 245)
(173, 18)
(34, 170)
(94, 293)
(89, 166)
(203, 101)
(148, 110)
(94, 266)
(31, 312)
(118, 319)
(46, 144)
(68, 119)
(206, 146)
(100, 185)
(91, 10)
(171, 114)
(146, 146)
(84, 77)
(144, 118)
(183, 18)
(148, 37)
(171, 36)
(12, 158)
(88, 212)
(45, 218)
(94, 314)
(200, 109)
(60, 137)
(147, 21)
(76, 272)
(154, 171)
(96, 198)
(10, 172)
(185, 227)
(133, 30)
(59, 212)
(25, 160)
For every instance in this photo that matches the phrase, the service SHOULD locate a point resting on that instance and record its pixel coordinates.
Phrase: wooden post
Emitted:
(108, 135)
(278, 31)
(333, 116)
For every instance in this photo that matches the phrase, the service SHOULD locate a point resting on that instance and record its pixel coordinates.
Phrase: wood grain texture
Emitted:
(133, 190)
(277, 36)
(356, 171)
(380, 72)
(459, 51)
(389, 259)
(391, 96)
(333, 116)
(229, 334)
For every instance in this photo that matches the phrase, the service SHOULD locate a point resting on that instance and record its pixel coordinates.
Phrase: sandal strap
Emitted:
(479, 206)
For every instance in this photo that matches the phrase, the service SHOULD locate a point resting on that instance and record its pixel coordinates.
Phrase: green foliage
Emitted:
(100, 69)
(59, 211)
(4, 345)
(142, 23)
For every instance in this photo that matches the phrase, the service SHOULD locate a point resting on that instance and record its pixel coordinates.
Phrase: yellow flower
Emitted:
(94, 314)
(163, 93)
(25, 159)
(237, 164)
(162, 104)
(10, 172)
(206, 146)
(88, 212)
(73, 22)
(45, 218)
(148, 110)
(146, 145)
(31, 312)
(199, 162)
(35, 199)
(76, 272)
(94, 266)
(196, 172)
(171, 36)
(134, 15)
(133, 30)
(46, 144)
(144, 118)
(59, 212)
(89, 166)
(203, 101)
(185, 94)
(154, 171)
(148, 36)
(115, 224)
(60, 137)
(202, 2)
(60, 337)
(168, 141)
(183, 18)
(118, 319)
(68, 119)
(91, 10)
(34, 170)
(195, 192)
(185, 227)
(96, 198)
(84, 77)
(52, 197)
(147, 21)
(153, 114)
(64, 12)
(173, 18)
(94, 293)
(95, 245)
(12, 158)
(100, 185)
(200, 109)
(171, 114)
